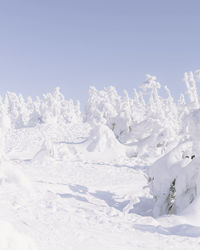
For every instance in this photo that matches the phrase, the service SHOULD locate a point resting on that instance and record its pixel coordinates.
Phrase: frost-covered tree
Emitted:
(52, 108)
(175, 177)
(147, 120)
(189, 79)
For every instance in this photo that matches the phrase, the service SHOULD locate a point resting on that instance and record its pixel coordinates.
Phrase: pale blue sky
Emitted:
(77, 43)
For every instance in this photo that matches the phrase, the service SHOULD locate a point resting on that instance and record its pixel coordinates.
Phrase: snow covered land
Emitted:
(123, 173)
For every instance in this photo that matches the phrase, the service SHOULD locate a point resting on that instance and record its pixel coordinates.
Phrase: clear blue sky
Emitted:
(78, 43)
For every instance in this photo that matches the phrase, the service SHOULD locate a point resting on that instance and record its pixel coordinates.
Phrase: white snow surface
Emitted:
(122, 174)
(57, 195)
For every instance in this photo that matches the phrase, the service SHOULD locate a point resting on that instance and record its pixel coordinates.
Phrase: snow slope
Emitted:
(57, 195)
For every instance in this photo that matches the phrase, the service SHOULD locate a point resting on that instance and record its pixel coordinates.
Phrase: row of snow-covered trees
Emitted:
(144, 114)
(147, 120)
(158, 127)
(144, 123)
(16, 112)
(144, 117)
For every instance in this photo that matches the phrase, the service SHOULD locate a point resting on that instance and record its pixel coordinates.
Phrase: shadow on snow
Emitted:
(106, 196)
(183, 230)
(144, 207)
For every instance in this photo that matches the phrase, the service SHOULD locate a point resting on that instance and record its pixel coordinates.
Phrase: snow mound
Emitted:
(102, 139)
(11, 239)
(51, 150)
(11, 173)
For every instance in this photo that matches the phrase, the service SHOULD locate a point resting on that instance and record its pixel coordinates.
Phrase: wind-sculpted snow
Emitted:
(102, 178)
